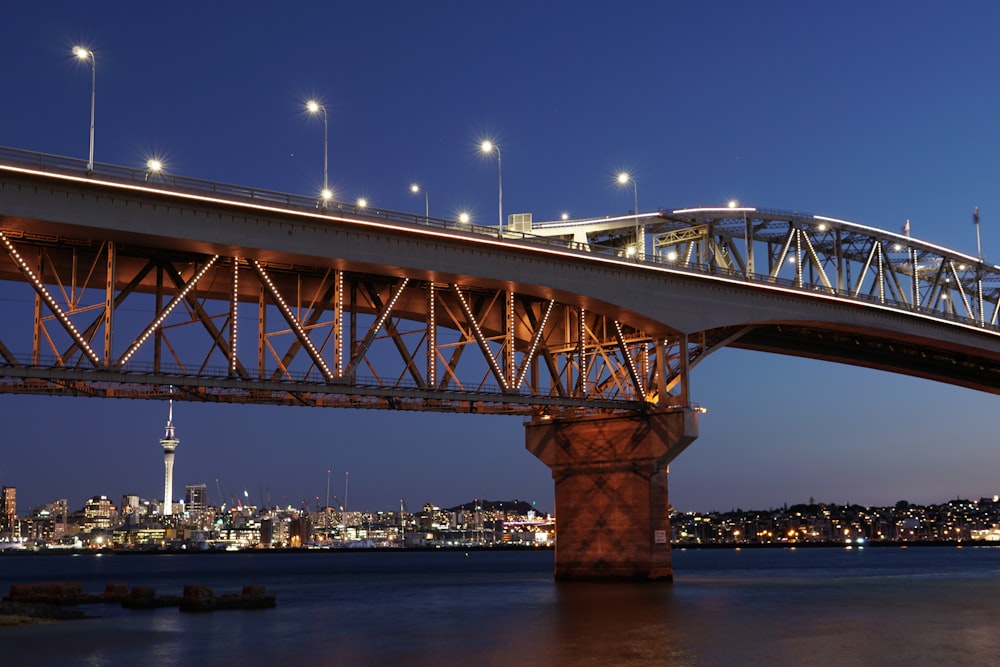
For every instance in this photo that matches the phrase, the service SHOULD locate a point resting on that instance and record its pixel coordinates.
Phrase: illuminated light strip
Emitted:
(338, 332)
(431, 337)
(590, 222)
(376, 327)
(961, 289)
(784, 252)
(644, 357)
(50, 301)
(166, 312)
(535, 340)
(881, 273)
(816, 261)
(620, 335)
(539, 249)
(509, 317)
(477, 332)
(583, 352)
(445, 234)
(798, 257)
(392, 302)
(286, 311)
(714, 209)
(875, 231)
(979, 286)
(234, 307)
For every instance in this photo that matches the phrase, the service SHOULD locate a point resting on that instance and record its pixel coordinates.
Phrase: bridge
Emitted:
(122, 283)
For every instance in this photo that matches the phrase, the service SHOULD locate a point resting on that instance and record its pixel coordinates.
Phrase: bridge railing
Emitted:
(174, 183)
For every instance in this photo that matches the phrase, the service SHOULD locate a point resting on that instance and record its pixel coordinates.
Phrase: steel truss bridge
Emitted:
(122, 283)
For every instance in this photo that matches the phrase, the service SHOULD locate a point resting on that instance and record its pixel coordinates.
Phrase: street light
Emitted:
(362, 203)
(312, 106)
(488, 147)
(153, 166)
(464, 218)
(86, 54)
(624, 178)
(415, 189)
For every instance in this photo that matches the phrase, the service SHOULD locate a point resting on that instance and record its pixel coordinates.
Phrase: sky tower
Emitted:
(169, 443)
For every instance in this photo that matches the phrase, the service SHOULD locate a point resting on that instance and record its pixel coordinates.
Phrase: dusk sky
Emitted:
(870, 112)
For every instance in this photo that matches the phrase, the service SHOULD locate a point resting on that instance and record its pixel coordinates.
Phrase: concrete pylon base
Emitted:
(610, 476)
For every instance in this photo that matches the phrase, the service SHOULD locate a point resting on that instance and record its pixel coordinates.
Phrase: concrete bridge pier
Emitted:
(610, 475)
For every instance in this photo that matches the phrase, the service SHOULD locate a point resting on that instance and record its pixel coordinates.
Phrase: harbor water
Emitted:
(872, 606)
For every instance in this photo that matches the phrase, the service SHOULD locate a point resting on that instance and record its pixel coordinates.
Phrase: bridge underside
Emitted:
(104, 319)
(896, 354)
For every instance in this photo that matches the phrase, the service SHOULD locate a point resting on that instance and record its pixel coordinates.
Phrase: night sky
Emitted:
(870, 112)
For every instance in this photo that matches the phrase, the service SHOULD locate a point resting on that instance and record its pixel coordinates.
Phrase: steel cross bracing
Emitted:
(106, 319)
(836, 257)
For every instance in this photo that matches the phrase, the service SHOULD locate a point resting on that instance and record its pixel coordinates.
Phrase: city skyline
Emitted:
(870, 114)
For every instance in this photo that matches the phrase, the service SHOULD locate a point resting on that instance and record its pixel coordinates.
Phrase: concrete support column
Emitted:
(610, 475)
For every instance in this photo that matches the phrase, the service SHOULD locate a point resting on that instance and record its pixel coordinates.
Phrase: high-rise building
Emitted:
(195, 500)
(97, 513)
(169, 443)
(8, 501)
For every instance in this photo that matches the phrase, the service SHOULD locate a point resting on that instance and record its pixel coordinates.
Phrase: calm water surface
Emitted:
(874, 606)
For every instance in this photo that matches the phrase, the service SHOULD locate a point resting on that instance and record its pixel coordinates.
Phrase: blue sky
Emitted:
(871, 112)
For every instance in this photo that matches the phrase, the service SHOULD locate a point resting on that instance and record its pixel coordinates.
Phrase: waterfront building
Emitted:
(8, 520)
(97, 514)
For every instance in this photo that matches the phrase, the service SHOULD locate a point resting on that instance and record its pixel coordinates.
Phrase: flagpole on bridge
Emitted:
(979, 245)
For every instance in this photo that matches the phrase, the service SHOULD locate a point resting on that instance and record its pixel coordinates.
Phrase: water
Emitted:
(916, 606)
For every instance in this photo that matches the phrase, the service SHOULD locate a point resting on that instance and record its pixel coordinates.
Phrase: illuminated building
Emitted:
(97, 512)
(195, 501)
(8, 499)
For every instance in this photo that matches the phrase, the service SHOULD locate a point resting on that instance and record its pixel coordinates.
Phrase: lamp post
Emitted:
(153, 166)
(415, 189)
(624, 178)
(488, 147)
(312, 106)
(86, 54)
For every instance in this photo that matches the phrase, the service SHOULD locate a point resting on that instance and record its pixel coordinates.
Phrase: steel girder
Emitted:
(108, 319)
(833, 256)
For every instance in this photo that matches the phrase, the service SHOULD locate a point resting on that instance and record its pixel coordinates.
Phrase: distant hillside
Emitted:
(513, 506)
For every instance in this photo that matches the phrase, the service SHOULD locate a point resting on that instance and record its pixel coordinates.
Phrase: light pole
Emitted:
(312, 106)
(415, 189)
(488, 147)
(86, 54)
(153, 166)
(624, 178)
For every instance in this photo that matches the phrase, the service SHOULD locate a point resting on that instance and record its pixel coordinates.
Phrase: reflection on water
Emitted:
(750, 607)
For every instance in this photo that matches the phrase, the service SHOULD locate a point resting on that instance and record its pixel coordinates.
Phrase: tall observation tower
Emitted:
(169, 443)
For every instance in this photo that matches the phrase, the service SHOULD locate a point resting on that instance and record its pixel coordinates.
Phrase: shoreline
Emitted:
(485, 548)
